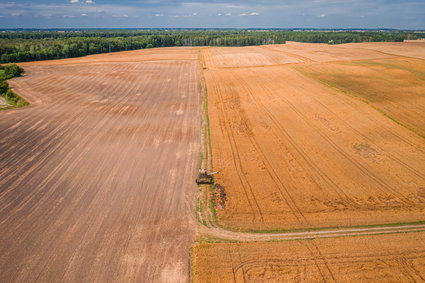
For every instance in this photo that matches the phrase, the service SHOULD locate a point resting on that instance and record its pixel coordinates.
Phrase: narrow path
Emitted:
(306, 235)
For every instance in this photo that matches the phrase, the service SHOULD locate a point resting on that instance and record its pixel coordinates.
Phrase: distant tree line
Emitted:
(21, 46)
(7, 72)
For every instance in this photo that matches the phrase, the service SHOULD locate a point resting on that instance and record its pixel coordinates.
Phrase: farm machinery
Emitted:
(205, 178)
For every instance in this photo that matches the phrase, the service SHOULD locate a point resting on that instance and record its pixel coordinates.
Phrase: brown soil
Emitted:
(295, 153)
(383, 258)
(96, 178)
(156, 54)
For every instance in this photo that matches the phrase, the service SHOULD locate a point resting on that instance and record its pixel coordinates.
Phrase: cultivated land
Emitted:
(335, 139)
(383, 258)
(396, 87)
(293, 152)
(96, 177)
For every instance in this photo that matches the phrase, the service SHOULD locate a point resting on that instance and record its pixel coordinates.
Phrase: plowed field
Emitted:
(96, 178)
(385, 258)
(293, 152)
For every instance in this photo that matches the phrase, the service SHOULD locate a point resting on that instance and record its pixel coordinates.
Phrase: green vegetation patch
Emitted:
(7, 72)
(14, 99)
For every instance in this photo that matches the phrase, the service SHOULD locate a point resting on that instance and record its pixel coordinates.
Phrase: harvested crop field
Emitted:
(383, 258)
(247, 56)
(326, 53)
(413, 48)
(394, 86)
(96, 178)
(293, 152)
(97, 175)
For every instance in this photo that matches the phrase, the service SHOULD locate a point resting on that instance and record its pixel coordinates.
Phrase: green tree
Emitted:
(13, 70)
(4, 86)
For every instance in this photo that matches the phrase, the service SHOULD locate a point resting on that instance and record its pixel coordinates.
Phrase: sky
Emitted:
(407, 14)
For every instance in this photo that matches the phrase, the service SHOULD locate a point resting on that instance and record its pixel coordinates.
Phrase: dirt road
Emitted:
(96, 177)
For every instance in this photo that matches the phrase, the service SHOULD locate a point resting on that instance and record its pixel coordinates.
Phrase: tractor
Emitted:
(205, 178)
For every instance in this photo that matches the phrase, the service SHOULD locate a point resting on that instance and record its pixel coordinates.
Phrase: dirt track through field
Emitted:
(96, 178)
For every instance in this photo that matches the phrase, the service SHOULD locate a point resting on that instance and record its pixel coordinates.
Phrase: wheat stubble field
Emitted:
(384, 258)
(294, 152)
(332, 137)
(96, 178)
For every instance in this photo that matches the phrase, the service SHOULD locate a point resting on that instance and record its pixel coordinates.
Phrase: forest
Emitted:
(21, 46)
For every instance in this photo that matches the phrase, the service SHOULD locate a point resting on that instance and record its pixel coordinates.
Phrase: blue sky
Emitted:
(408, 14)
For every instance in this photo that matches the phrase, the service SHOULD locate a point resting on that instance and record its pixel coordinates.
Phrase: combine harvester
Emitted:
(205, 178)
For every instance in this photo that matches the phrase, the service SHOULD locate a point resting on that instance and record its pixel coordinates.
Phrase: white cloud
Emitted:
(159, 15)
(250, 14)
(235, 7)
(274, 13)
(83, 15)
(15, 14)
(186, 15)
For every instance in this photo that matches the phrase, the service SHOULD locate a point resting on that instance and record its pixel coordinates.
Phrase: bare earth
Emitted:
(293, 152)
(383, 258)
(96, 178)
